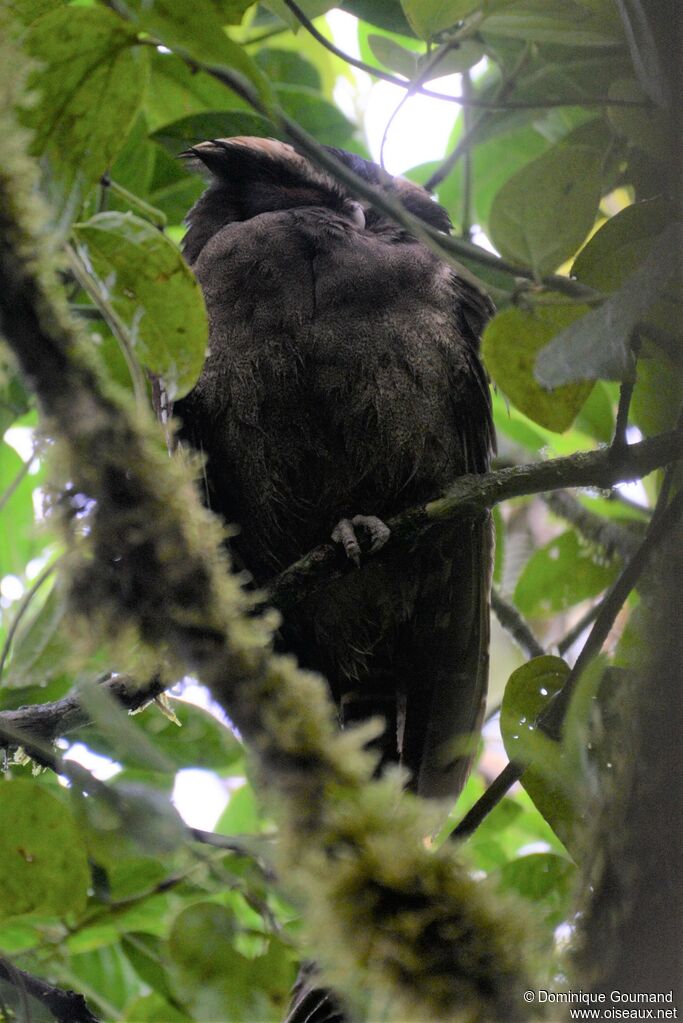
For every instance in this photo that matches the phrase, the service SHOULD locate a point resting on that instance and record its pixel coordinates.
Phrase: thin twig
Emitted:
(93, 288)
(18, 479)
(610, 536)
(473, 127)
(513, 622)
(577, 630)
(23, 607)
(467, 184)
(483, 104)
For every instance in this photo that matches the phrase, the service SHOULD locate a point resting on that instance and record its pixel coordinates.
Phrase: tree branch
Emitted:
(472, 495)
(45, 722)
(612, 537)
(513, 622)
(65, 1006)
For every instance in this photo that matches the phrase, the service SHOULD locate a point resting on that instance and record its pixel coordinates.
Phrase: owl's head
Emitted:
(250, 176)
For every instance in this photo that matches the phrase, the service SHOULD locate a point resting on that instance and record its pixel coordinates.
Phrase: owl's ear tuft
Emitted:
(244, 158)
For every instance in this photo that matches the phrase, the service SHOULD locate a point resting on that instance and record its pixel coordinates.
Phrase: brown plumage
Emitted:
(343, 379)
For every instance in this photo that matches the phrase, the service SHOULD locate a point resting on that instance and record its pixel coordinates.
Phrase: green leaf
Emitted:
(177, 92)
(646, 127)
(91, 81)
(14, 398)
(511, 344)
(153, 291)
(214, 124)
(196, 29)
(394, 56)
(43, 862)
(311, 8)
(288, 68)
(561, 22)
(429, 17)
(559, 575)
(657, 395)
(516, 425)
(144, 953)
(385, 14)
(27, 11)
(542, 214)
(599, 344)
(544, 879)
(527, 694)
(107, 972)
(644, 50)
(217, 982)
(201, 741)
(153, 1009)
(322, 119)
(18, 542)
(620, 246)
(596, 418)
(241, 816)
(40, 649)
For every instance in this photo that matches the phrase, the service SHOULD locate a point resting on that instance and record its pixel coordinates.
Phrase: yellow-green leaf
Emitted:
(153, 291)
(511, 344)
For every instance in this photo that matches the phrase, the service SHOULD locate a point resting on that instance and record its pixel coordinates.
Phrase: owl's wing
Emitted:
(447, 647)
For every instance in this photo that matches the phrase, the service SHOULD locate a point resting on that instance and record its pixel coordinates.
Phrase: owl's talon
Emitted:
(345, 534)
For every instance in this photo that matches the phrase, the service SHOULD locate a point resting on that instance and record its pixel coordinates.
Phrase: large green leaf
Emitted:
(561, 22)
(599, 344)
(387, 14)
(319, 117)
(196, 29)
(214, 124)
(411, 64)
(201, 741)
(512, 341)
(542, 214)
(644, 126)
(91, 81)
(151, 288)
(559, 575)
(43, 863)
(528, 692)
(544, 879)
(429, 17)
(217, 982)
(176, 92)
(18, 540)
(288, 67)
(40, 647)
(622, 243)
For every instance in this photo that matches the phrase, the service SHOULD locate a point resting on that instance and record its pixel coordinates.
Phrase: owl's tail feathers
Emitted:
(312, 1004)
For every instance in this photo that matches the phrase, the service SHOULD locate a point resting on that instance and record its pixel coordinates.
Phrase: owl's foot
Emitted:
(345, 534)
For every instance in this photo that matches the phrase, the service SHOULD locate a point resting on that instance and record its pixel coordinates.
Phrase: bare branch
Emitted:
(45, 722)
(513, 622)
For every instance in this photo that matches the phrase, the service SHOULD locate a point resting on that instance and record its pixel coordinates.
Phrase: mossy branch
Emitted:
(381, 908)
(472, 495)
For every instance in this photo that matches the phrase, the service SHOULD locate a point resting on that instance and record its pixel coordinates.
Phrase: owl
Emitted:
(342, 385)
